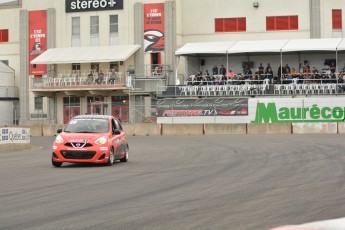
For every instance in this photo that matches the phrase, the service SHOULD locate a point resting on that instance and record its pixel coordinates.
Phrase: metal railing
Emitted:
(253, 88)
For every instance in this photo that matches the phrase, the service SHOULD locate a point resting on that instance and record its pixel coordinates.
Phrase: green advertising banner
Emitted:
(298, 110)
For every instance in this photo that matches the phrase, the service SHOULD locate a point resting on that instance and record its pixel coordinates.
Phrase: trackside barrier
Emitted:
(315, 128)
(14, 138)
(215, 129)
(50, 130)
(182, 129)
(146, 129)
(36, 130)
(269, 128)
(341, 128)
(152, 129)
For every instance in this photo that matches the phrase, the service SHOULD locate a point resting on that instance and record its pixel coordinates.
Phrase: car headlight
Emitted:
(59, 140)
(101, 140)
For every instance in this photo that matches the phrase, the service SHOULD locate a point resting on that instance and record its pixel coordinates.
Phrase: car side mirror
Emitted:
(116, 132)
(59, 131)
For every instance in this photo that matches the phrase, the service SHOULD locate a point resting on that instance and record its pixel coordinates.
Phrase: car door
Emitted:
(118, 139)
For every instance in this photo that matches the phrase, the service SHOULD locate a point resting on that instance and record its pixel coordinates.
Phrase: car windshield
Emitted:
(87, 126)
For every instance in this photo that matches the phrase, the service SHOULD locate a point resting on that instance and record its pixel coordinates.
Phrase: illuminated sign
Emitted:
(92, 5)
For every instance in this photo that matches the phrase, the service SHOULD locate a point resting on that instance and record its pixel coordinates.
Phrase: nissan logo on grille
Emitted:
(92, 5)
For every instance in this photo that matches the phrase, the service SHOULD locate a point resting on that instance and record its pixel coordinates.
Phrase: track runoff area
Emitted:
(239, 182)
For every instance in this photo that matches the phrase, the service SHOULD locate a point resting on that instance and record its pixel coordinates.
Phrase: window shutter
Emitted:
(294, 22)
(242, 24)
(337, 20)
(270, 23)
(219, 24)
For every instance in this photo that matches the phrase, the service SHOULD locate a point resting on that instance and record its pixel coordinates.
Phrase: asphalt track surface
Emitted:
(179, 182)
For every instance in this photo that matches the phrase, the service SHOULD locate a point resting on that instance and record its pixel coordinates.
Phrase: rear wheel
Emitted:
(56, 164)
(111, 158)
(125, 158)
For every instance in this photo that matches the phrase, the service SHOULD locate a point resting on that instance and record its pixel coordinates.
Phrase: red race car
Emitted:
(90, 139)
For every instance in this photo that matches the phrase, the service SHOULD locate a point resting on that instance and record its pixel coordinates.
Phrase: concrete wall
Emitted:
(13, 147)
(269, 128)
(315, 128)
(50, 130)
(210, 129)
(150, 129)
(142, 129)
(182, 129)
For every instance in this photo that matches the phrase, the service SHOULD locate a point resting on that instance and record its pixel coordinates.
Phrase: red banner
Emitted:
(37, 39)
(154, 27)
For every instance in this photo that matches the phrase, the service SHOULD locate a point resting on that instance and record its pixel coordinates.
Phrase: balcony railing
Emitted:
(82, 80)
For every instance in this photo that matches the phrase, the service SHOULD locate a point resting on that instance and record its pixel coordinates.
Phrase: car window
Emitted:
(117, 125)
(87, 126)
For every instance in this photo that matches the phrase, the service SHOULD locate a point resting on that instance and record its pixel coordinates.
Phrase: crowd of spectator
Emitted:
(285, 74)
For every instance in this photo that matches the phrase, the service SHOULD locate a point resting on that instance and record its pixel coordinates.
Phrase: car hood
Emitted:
(81, 137)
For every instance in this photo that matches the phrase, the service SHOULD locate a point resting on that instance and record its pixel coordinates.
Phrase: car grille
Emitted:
(68, 154)
(78, 145)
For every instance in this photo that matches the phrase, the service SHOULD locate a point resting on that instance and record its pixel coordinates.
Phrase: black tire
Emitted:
(125, 158)
(56, 164)
(111, 158)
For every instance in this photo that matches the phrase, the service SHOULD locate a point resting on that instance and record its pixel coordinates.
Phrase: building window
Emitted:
(337, 20)
(75, 66)
(75, 31)
(38, 103)
(4, 35)
(282, 23)
(94, 30)
(230, 24)
(113, 30)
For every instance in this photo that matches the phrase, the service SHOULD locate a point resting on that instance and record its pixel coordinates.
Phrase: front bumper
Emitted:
(96, 154)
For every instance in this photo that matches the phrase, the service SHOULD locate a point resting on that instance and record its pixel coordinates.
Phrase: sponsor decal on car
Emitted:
(104, 148)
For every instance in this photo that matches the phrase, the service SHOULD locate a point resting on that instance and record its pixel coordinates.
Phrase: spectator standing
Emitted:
(268, 67)
(300, 68)
(261, 69)
(222, 70)
(215, 70)
(332, 67)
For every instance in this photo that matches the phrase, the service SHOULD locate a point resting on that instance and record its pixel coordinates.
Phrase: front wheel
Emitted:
(125, 158)
(111, 158)
(56, 164)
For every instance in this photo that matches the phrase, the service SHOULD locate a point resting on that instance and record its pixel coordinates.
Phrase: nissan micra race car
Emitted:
(90, 139)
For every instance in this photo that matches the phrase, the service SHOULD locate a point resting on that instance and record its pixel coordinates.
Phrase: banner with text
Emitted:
(154, 27)
(202, 107)
(14, 135)
(37, 40)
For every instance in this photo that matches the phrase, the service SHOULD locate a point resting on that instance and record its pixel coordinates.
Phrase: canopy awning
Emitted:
(259, 46)
(205, 48)
(341, 45)
(324, 44)
(86, 54)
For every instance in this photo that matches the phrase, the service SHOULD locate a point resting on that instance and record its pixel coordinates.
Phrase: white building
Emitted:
(79, 36)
